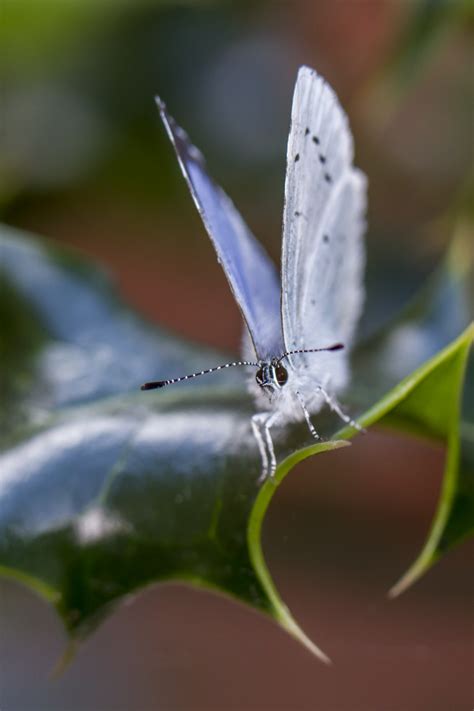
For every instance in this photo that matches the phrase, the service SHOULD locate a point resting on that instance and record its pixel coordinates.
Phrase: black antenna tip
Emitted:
(153, 386)
(336, 347)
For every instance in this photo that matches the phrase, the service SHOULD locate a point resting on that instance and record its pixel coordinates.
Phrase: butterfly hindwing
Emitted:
(323, 225)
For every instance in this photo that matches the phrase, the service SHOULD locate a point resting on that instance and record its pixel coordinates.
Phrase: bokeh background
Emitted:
(85, 161)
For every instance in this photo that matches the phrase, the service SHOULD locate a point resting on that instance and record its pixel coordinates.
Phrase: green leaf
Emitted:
(437, 409)
(105, 489)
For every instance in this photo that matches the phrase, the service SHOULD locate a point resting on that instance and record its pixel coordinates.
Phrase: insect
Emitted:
(299, 329)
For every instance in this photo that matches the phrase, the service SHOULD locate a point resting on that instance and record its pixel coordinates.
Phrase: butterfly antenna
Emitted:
(335, 347)
(152, 385)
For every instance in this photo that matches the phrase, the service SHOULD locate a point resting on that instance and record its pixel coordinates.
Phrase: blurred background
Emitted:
(85, 161)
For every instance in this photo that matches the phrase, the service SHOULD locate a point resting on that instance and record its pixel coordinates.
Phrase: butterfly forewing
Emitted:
(323, 224)
(252, 276)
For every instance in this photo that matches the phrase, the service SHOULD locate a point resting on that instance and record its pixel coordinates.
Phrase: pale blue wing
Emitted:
(323, 226)
(252, 276)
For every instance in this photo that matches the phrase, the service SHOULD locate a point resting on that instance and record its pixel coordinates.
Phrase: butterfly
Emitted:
(300, 327)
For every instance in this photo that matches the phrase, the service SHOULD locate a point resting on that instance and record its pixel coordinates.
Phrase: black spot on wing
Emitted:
(327, 178)
(306, 131)
(315, 140)
(297, 157)
(322, 159)
(326, 238)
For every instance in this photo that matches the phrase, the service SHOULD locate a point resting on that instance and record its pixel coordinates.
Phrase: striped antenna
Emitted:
(335, 347)
(161, 383)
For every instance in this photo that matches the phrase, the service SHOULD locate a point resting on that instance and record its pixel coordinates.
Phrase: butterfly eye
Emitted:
(281, 374)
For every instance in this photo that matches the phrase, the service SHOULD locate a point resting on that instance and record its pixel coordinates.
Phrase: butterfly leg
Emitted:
(257, 422)
(269, 422)
(311, 427)
(336, 407)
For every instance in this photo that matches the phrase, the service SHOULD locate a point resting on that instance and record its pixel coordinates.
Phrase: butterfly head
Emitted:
(272, 375)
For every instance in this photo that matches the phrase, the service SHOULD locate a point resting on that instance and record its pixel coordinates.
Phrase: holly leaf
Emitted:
(105, 490)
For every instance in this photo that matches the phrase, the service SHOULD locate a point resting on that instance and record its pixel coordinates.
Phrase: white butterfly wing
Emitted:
(252, 276)
(323, 227)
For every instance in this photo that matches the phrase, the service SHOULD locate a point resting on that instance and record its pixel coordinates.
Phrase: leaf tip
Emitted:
(407, 580)
(395, 591)
(289, 624)
(64, 660)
